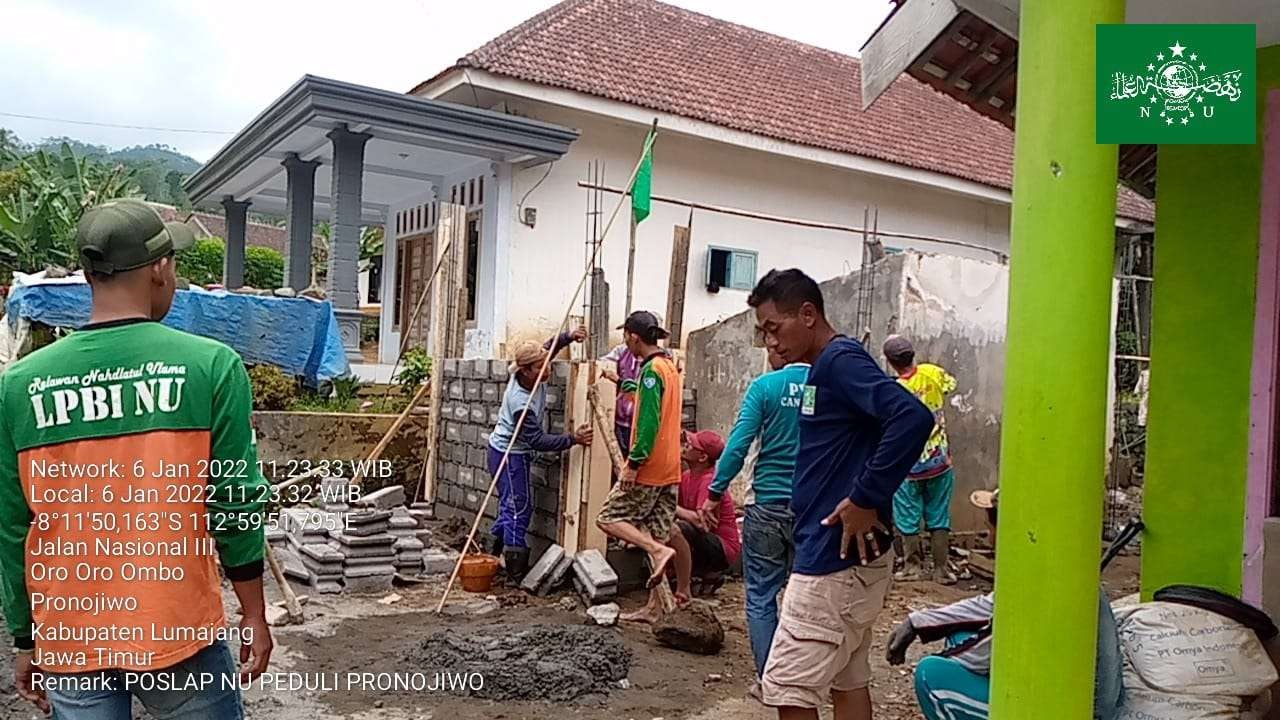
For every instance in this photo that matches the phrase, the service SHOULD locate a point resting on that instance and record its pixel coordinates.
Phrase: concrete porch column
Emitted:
(344, 239)
(300, 211)
(237, 214)
(1052, 446)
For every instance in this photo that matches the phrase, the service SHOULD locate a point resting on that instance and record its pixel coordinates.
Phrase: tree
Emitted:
(263, 268)
(372, 239)
(202, 263)
(38, 217)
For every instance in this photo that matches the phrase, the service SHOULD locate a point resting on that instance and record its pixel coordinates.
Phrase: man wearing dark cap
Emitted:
(925, 499)
(129, 481)
(641, 508)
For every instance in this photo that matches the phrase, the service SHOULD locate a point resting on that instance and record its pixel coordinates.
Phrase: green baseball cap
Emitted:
(125, 235)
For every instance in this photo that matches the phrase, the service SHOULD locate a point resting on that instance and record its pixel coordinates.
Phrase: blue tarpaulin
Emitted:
(298, 335)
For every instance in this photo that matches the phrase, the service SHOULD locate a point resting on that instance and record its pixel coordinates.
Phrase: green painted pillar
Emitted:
(1052, 445)
(1208, 200)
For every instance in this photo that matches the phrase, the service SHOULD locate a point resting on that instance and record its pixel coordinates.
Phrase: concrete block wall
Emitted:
(469, 410)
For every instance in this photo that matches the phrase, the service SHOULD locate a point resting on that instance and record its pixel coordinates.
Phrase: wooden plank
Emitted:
(444, 293)
(631, 264)
(573, 469)
(676, 285)
(900, 41)
(600, 463)
(598, 312)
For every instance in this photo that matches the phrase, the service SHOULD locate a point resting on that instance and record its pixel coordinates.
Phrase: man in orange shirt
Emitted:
(641, 508)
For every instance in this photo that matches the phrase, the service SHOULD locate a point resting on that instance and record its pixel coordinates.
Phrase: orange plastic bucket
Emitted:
(477, 572)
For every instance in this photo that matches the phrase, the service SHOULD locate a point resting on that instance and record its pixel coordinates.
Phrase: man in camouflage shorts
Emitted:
(641, 508)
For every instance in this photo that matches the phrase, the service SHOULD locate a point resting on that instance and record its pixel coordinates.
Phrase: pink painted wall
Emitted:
(1266, 349)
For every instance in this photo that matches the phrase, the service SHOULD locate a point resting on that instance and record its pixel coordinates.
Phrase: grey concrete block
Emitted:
(594, 572)
(491, 393)
(436, 561)
(542, 569)
(456, 390)
(322, 553)
(478, 414)
(469, 434)
(466, 476)
(499, 370)
(462, 412)
(471, 390)
(483, 439)
(560, 370)
(477, 457)
(361, 562)
(372, 584)
(450, 367)
(557, 575)
(408, 544)
(449, 472)
(546, 501)
(347, 540)
(326, 587)
(545, 525)
(553, 398)
(493, 416)
(385, 498)
(453, 432)
(358, 571)
(472, 500)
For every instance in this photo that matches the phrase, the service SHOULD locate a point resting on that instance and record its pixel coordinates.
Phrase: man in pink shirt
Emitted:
(714, 543)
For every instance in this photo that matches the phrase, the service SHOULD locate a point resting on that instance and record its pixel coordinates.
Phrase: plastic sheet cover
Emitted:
(298, 335)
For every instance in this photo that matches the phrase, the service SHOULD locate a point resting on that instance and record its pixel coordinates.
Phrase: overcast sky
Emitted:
(214, 65)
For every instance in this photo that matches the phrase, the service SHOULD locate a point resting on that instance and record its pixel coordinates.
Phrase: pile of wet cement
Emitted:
(559, 663)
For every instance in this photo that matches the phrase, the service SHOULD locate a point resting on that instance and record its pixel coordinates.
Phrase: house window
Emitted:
(728, 268)
(401, 249)
(473, 262)
(375, 279)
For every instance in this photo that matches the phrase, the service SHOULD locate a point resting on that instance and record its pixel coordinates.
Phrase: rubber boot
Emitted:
(913, 556)
(496, 545)
(941, 546)
(517, 562)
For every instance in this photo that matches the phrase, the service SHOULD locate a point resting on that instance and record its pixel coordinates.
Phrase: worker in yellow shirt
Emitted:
(925, 498)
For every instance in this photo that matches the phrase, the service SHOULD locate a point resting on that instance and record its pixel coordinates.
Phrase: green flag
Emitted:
(643, 187)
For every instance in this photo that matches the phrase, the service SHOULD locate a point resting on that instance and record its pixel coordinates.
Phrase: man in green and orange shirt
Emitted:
(128, 475)
(641, 508)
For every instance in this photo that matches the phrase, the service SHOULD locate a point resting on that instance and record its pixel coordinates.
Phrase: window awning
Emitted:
(415, 141)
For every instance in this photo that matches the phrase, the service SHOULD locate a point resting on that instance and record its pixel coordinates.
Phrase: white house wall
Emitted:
(547, 261)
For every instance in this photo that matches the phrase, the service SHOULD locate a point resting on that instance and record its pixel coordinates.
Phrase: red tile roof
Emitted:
(665, 58)
(208, 224)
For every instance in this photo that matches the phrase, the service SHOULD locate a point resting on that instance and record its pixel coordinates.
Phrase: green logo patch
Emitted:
(1176, 84)
(809, 402)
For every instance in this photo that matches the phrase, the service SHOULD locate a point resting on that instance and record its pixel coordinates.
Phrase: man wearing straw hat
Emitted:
(529, 368)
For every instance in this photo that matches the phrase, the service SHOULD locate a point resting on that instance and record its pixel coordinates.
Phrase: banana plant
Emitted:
(38, 222)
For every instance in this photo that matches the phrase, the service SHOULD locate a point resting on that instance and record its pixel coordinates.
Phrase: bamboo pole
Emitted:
(291, 604)
(546, 363)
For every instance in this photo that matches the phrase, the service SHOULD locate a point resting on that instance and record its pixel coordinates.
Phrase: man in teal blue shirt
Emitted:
(770, 413)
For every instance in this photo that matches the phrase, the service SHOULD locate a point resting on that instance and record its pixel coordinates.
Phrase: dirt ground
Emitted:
(346, 634)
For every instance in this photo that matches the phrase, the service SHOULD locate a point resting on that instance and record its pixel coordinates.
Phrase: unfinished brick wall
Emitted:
(469, 410)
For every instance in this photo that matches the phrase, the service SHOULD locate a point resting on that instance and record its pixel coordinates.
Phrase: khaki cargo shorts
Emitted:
(824, 635)
(645, 506)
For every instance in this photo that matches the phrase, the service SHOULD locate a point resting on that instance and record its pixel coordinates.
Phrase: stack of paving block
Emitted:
(334, 494)
(306, 526)
(408, 555)
(277, 537)
(403, 524)
(387, 498)
(594, 579)
(324, 566)
(550, 570)
(369, 557)
(473, 398)
(438, 561)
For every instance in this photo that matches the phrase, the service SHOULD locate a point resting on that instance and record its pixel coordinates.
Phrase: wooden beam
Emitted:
(993, 36)
(900, 42)
(448, 244)
(598, 316)
(573, 470)
(988, 87)
(601, 456)
(676, 285)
